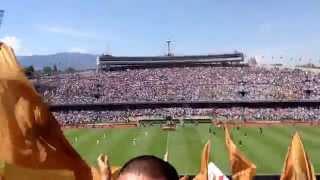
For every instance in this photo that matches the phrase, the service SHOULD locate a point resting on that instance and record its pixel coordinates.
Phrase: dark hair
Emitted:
(150, 166)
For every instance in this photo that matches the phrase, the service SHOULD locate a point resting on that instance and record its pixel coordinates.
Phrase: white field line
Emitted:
(167, 146)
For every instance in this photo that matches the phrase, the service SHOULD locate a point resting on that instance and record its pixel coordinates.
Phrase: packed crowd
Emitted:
(176, 84)
(275, 114)
(182, 84)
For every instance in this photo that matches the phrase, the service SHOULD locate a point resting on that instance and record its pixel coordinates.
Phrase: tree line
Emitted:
(30, 71)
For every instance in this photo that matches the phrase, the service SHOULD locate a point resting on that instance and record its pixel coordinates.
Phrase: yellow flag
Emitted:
(13, 172)
(1, 170)
(205, 157)
(241, 167)
(30, 136)
(297, 165)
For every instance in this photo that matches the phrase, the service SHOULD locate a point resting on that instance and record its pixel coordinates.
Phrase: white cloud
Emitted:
(16, 44)
(68, 31)
(13, 42)
(79, 50)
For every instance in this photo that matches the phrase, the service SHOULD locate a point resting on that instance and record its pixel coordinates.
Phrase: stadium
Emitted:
(68, 113)
(132, 106)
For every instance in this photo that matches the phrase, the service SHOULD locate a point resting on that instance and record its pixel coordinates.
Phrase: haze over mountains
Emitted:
(62, 60)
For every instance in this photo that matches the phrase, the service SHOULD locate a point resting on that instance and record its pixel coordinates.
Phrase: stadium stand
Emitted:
(250, 92)
(180, 84)
(108, 62)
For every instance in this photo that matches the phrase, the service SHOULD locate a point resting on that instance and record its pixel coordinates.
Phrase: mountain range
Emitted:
(62, 60)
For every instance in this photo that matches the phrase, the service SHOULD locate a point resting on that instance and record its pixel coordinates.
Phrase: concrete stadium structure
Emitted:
(108, 62)
(186, 104)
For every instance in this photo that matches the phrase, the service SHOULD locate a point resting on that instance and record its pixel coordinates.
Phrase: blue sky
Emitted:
(288, 28)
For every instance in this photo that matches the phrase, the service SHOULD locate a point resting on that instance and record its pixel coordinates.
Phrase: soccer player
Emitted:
(240, 142)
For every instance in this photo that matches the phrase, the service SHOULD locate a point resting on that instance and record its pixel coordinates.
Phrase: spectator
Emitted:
(147, 168)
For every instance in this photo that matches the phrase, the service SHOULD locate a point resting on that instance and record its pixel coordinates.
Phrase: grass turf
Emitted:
(184, 145)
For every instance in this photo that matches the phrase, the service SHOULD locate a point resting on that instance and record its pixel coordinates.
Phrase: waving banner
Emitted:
(241, 167)
(297, 164)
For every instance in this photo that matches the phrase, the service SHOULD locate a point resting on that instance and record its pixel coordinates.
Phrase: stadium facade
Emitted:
(109, 62)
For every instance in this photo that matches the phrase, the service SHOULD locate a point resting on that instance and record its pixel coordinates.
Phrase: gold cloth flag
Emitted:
(1, 169)
(29, 134)
(13, 172)
(297, 165)
(205, 157)
(241, 167)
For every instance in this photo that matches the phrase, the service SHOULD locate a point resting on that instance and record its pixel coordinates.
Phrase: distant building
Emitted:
(252, 61)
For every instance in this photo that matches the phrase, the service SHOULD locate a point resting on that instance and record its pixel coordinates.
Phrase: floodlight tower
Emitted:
(169, 50)
(1, 16)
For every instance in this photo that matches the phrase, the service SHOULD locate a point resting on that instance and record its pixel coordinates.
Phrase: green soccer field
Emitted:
(184, 145)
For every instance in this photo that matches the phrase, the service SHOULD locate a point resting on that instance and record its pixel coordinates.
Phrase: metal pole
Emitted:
(168, 42)
(98, 64)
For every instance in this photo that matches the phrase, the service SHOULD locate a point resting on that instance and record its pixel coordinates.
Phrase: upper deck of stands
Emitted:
(108, 61)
